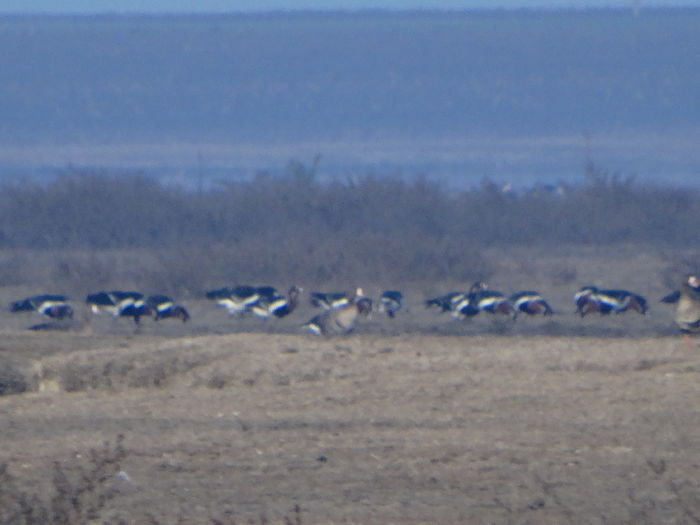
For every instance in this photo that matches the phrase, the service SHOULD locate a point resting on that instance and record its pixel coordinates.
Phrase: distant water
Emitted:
(517, 97)
(458, 163)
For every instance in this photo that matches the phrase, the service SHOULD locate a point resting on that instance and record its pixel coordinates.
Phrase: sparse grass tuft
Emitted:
(80, 490)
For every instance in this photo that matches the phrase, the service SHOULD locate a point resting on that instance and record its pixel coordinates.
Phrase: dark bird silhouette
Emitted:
(390, 302)
(163, 307)
(52, 306)
(671, 298)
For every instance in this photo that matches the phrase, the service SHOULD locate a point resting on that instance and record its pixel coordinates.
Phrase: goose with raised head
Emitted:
(276, 304)
(341, 320)
(390, 302)
(687, 301)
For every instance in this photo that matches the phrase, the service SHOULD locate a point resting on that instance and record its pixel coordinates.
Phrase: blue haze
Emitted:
(519, 96)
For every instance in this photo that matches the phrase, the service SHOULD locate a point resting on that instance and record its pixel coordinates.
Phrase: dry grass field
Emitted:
(270, 428)
(420, 419)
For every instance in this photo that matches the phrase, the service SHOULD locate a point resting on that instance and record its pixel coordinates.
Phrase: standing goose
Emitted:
(341, 320)
(276, 304)
(687, 301)
(390, 302)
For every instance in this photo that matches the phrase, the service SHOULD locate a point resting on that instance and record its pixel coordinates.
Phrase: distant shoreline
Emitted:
(667, 159)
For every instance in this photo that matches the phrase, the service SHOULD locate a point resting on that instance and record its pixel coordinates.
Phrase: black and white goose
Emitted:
(164, 307)
(531, 303)
(236, 300)
(120, 303)
(266, 296)
(447, 302)
(390, 302)
(329, 300)
(53, 306)
(342, 319)
(481, 299)
(590, 299)
(587, 301)
(276, 304)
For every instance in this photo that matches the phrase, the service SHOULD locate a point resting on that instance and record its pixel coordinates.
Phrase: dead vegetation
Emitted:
(78, 490)
(254, 428)
(83, 231)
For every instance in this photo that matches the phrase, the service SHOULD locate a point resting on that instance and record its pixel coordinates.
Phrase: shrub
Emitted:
(93, 230)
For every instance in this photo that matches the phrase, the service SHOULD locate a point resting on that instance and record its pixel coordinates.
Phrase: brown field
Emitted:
(423, 419)
(431, 420)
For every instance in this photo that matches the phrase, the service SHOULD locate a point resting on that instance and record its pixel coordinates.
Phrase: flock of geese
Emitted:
(340, 312)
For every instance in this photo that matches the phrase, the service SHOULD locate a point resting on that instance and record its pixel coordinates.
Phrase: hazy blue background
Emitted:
(161, 6)
(517, 96)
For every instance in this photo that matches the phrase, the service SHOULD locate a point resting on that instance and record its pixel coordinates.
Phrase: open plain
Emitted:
(418, 419)
(455, 422)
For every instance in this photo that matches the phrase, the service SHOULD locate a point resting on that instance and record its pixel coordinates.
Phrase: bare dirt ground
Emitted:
(278, 428)
(423, 419)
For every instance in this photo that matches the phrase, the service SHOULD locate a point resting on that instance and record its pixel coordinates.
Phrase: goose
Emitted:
(329, 300)
(481, 299)
(236, 300)
(687, 301)
(589, 299)
(165, 308)
(138, 309)
(530, 302)
(276, 304)
(494, 302)
(447, 302)
(120, 304)
(342, 319)
(625, 300)
(53, 306)
(390, 302)
(112, 302)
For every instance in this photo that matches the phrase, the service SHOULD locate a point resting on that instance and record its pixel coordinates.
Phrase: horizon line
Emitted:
(357, 10)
